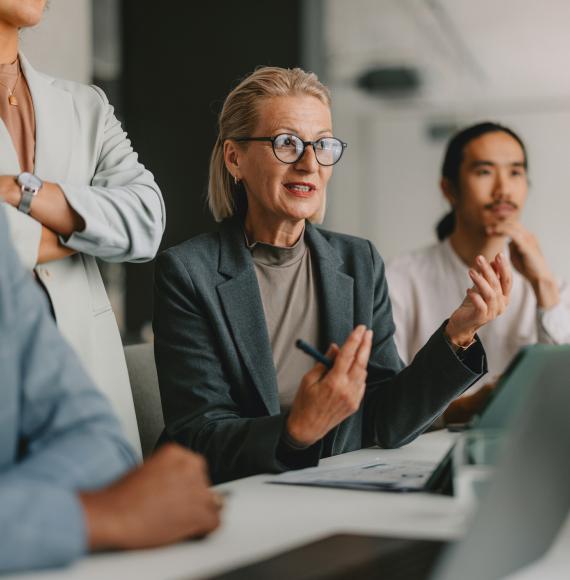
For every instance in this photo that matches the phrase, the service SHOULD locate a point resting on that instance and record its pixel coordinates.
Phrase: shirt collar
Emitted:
(270, 255)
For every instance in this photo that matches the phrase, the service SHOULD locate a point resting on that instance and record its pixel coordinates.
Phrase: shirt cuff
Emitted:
(292, 443)
(292, 455)
(472, 356)
(553, 324)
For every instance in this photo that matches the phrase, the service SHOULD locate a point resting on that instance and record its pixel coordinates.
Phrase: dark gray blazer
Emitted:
(215, 365)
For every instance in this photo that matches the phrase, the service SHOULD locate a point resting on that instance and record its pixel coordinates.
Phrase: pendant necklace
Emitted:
(11, 96)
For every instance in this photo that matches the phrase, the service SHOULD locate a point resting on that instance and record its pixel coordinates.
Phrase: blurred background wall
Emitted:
(442, 64)
(404, 75)
(62, 44)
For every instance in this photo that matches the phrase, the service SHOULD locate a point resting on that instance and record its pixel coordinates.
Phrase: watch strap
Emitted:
(29, 184)
(25, 204)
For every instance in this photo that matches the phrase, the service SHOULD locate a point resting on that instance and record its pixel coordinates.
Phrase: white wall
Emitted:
(386, 187)
(61, 45)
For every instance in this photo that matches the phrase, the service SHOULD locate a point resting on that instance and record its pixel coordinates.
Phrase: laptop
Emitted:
(515, 384)
(529, 496)
(527, 502)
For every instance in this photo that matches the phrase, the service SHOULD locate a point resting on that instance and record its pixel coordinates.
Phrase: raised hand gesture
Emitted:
(485, 300)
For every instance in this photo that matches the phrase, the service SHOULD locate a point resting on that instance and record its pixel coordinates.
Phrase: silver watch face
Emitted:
(29, 181)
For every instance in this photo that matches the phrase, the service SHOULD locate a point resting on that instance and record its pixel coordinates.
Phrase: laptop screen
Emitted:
(515, 384)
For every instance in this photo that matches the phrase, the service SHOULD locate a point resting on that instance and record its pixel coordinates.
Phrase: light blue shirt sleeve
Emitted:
(58, 435)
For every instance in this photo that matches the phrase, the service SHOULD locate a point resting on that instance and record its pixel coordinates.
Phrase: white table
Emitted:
(262, 519)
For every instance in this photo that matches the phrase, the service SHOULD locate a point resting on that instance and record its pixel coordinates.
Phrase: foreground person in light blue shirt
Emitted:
(60, 445)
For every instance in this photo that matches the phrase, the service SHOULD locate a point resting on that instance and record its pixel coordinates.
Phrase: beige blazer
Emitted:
(81, 146)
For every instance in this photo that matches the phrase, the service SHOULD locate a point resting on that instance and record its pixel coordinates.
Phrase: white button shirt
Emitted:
(427, 285)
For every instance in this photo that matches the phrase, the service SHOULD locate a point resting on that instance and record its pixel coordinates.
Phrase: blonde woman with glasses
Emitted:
(230, 305)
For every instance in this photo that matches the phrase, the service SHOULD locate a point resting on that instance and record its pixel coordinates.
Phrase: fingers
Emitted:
(349, 372)
(513, 230)
(204, 513)
(217, 500)
(358, 370)
(493, 283)
(483, 288)
(487, 272)
(322, 402)
(173, 458)
(349, 349)
(477, 301)
(320, 369)
(504, 272)
(522, 240)
(332, 351)
(362, 355)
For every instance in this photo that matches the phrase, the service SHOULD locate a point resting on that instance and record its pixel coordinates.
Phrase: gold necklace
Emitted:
(11, 96)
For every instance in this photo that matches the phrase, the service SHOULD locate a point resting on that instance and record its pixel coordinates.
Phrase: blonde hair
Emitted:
(239, 117)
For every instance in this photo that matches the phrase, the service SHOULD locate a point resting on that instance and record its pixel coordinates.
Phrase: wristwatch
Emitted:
(29, 184)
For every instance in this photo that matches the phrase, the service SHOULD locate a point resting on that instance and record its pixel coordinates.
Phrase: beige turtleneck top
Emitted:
(288, 288)
(19, 119)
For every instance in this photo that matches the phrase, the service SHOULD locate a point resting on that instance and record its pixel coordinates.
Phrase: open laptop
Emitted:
(527, 502)
(515, 384)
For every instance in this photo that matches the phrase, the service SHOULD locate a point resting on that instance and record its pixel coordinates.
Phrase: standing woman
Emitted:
(73, 191)
(230, 305)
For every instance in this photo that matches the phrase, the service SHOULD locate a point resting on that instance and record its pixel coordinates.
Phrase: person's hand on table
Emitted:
(165, 500)
(324, 399)
(528, 259)
(487, 299)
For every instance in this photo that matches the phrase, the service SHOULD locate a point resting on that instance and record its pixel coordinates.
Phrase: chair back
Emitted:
(146, 394)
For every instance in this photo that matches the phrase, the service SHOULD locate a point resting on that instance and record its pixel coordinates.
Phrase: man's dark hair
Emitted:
(454, 157)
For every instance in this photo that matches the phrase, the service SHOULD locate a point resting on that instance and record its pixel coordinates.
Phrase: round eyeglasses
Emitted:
(290, 148)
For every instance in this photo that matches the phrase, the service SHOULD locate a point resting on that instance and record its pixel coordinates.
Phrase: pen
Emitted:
(312, 351)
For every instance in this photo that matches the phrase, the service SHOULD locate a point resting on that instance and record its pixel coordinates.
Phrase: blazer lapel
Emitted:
(53, 109)
(243, 308)
(336, 290)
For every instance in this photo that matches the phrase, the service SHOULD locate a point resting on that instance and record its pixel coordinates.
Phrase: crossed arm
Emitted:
(116, 214)
(52, 210)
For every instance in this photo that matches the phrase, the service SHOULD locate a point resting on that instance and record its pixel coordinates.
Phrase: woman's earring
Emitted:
(236, 180)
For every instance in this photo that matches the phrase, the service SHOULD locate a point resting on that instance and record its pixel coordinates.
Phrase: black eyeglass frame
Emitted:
(305, 144)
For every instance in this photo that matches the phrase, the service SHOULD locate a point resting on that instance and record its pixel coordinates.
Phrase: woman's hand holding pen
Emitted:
(487, 299)
(324, 399)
